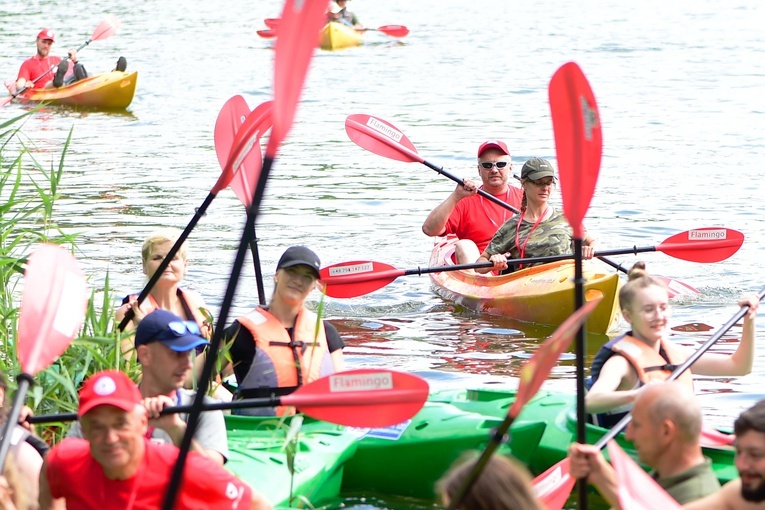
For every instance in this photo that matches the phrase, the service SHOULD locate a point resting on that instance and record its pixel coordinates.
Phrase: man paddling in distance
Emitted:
(468, 215)
(282, 346)
(117, 467)
(644, 354)
(40, 64)
(540, 230)
(164, 343)
(748, 491)
(665, 429)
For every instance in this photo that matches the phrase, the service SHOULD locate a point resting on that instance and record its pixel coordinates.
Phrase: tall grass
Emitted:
(28, 193)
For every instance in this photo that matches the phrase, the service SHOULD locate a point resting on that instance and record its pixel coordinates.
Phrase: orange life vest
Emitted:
(190, 300)
(293, 363)
(648, 363)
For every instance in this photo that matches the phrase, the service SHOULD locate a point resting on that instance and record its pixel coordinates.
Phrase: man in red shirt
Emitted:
(117, 467)
(472, 218)
(39, 67)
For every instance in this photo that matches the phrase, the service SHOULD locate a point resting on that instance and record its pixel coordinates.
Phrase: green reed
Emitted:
(28, 193)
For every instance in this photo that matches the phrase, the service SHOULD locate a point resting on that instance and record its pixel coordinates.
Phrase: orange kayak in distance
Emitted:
(541, 294)
(108, 91)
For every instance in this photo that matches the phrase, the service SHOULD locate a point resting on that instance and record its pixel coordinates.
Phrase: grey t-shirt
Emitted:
(210, 433)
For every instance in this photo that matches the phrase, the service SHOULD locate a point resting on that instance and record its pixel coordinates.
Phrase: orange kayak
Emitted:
(109, 91)
(541, 294)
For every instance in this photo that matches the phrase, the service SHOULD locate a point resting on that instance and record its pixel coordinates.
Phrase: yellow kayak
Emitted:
(336, 36)
(541, 294)
(112, 91)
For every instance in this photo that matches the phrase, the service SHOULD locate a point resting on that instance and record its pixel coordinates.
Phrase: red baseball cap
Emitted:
(109, 387)
(46, 33)
(493, 144)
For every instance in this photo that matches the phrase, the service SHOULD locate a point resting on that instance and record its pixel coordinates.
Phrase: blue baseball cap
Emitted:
(166, 327)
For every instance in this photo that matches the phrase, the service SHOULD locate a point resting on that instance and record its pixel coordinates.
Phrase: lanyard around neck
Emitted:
(522, 247)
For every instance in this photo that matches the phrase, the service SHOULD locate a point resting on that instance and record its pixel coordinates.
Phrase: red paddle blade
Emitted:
(107, 28)
(715, 439)
(381, 137)
(636, 489)
(362, 398)
(553, 487)
(578, 141)
(676, 288)
(267, 33)
(709, 244)
(272, 22)
(6, 100)
(394, 30)
(247, 135)
(298, 33)
(357, 278)
(53, 306)
(536, 370)
(235, 116)
(230, 119)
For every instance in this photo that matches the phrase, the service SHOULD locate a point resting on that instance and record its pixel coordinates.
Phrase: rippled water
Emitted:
(679, 86)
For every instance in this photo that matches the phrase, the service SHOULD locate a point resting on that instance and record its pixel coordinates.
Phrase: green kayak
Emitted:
(407, 459)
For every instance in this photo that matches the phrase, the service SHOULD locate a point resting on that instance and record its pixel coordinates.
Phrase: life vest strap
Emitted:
(668, 366)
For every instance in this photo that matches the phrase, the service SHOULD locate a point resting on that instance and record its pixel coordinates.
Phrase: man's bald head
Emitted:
(675, 402)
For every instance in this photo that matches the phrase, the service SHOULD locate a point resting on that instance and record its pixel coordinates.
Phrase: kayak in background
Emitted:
(109, 91)
(542, 294)
(336, 36)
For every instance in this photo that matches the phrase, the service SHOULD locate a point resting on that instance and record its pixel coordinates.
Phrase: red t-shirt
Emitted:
(36, 66)
(75, 475)
(477, 218)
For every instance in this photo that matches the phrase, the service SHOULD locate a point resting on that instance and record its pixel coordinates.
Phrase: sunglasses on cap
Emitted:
(180, 328)
(488, 165)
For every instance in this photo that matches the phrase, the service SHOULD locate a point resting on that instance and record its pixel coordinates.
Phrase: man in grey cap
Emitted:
(164, 343)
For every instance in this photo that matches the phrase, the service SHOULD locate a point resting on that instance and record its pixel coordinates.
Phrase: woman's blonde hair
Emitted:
(503, 485)
(638, 278)
(160, 237)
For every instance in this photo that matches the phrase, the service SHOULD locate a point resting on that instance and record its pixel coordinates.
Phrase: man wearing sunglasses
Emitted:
(468, 215)
(164, 344)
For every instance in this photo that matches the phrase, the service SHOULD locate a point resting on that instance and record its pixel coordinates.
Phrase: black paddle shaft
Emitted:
(212, 352)
(245, 403)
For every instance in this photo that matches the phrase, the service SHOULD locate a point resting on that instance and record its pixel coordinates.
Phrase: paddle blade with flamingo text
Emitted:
(397, 396)
(578, 141)
(710, 244)
(53, 305)
(381, 137)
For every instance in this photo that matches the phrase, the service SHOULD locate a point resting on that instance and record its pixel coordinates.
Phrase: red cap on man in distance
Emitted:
(45, 34)
(493, 144)
(109, 387)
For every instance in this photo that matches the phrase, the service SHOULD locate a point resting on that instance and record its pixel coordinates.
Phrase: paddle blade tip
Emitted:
(53, 306)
